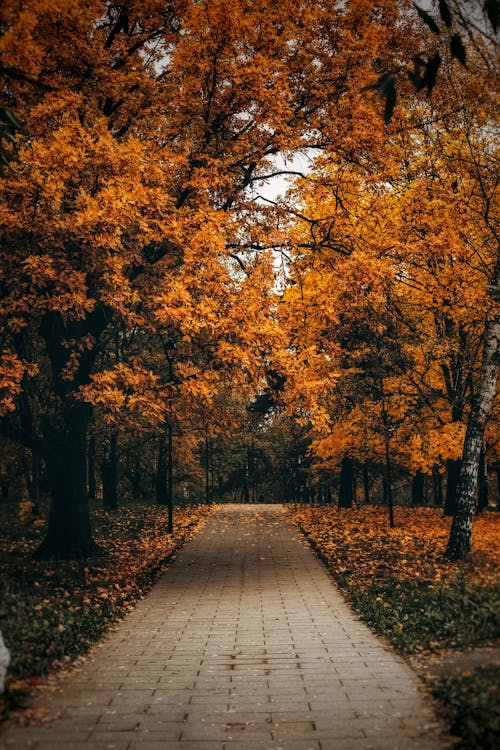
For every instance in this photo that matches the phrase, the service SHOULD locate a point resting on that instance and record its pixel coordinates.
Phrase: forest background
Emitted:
(172, 333)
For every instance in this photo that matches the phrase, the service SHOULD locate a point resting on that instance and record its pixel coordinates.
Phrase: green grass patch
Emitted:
(419, 615)
(472, 707)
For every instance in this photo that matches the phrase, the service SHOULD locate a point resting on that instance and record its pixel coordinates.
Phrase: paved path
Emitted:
(244, 643)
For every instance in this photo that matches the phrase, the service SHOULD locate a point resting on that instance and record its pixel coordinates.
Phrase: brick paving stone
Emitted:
(245, 643)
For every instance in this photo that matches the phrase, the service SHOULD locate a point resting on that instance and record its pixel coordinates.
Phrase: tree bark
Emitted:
(162, 472)
(366, 484)
(207, 465)
(346, 494)
(170, 478)
(460, 541)
(482, 498)
(69, 534)
(109, 471)
(137, 479)
(438, 486)
(417, 489)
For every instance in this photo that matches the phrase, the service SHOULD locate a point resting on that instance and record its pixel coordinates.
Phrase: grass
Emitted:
(418, 615)
(473, 708)
(398, 582)
(51, 613)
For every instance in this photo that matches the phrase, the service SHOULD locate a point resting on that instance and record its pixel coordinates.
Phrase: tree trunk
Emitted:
(346, 483)
(460, 541)
(482, 500)
(417, 489)
(366, 484)
(438, 486)
(246, 479)
(69, 534)
(170, 478)
(452, 474)
(136, 479)
(207, 466)
(388, 483)
(162, 472)
(109, 471)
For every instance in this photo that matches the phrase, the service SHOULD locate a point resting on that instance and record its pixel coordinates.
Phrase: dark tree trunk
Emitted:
(162, 472)
(69, 534)
(366, 484)
(136, 479)
(91, 483)
(207, 468)
(346, 483)
(246, 488)
(170, 478)
(483, 497)
(460, 541)
(109, 472)
(417, 489)
(452, 474)
(437, 486)
(388, 485)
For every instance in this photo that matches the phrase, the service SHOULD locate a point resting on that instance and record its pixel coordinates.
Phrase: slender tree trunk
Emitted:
(388, 483)
(482, 499)
(109, 472)
(460, 541)
(417, 489)
(438, 486)
(366, 484)
(246, 493)
(452, 474)
(346, 483)
(170, 478)
(162, 472)
(69, 534)
(207, 466)
(136, 478)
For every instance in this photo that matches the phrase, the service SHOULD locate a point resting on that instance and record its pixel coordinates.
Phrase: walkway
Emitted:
(244, 643)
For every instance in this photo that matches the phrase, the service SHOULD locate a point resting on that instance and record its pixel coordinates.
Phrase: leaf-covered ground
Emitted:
(50, 613)
(399, 583)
